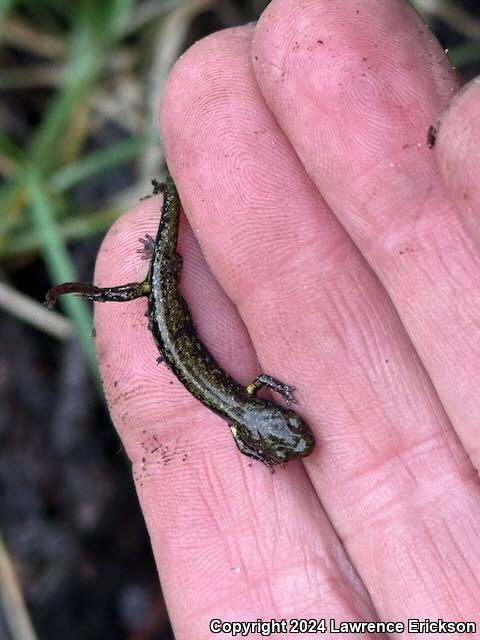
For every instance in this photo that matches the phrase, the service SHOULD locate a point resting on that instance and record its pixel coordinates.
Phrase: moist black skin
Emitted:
(261, 429)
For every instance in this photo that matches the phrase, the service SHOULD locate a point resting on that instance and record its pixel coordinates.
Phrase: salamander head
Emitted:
(274, 435)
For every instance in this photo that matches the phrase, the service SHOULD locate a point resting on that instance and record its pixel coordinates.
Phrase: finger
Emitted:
(371, 106)
(231, 542)
(386, 458)
(458, 155)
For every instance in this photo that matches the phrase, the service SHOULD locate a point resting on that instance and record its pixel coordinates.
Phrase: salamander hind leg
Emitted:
(123, 293)
(285, 390)
(248, 451)
(158, 187)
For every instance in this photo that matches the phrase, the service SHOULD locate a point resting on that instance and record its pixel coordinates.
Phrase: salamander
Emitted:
(262, 429)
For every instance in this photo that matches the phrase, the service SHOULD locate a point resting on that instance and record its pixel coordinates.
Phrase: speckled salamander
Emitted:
(261, 429)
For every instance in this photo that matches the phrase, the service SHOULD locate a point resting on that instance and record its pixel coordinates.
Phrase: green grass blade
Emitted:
(72, 228)
(80, 74)
(99, 161)
(5, 6)
(464, 54)
(98, 24)
(58, 261)
(9, 148)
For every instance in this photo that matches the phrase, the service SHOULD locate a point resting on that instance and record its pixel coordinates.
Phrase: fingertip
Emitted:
(182, 87)
(457, 150)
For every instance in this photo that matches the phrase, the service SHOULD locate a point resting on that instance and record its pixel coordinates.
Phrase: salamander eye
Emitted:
(280, 453)
(295, 424)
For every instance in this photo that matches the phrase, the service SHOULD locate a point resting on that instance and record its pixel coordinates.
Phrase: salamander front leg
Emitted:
(285, 390)
(246, 450)
(148, 247)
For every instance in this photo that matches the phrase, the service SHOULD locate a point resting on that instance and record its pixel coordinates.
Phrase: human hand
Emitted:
(340, 264)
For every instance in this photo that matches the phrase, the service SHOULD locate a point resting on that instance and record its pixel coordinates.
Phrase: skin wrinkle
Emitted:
(213, 494)
(367, 487)
(291, 561)
(374, 366)
(455, 591)
(431, 274)
(360, 602)
(364, 441)
(262, 554)
(367, 327)
(289, 607)
(370, 535)
(461, 135)
(465, 568)
(253, 584)
(226, 509)
(424, 595)
(457, 154)
(365, 415)
(200, 529)
(411, 537)
(450, 267)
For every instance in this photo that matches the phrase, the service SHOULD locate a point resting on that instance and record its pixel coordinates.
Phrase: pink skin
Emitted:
(332, 257)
